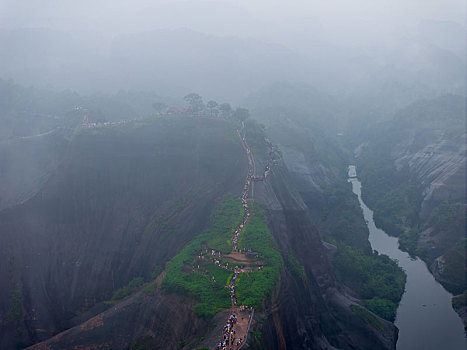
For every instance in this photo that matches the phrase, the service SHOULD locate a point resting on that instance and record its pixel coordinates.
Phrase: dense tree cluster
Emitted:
(196, 107)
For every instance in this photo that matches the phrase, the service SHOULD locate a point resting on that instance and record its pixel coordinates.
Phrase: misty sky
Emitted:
(257, 18)
(325, 42)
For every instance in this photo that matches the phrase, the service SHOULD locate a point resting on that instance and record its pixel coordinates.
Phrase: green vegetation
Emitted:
(253, 288)
(256, 336)
(408, 242)
(382, 307)
(209, 288)
(395, 204)
(344, 216)
(455, 268)
(212, 297)
(447, 225)
(224, 223)
(378, 279)
(156, 271)
(296, 269)
(367, 317)
(394, 198)
(448, 216)
(122, 293)
(397, 209)
(150, 289)
(459, 301)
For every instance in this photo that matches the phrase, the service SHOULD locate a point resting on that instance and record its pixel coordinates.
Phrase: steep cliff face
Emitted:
(424, 152)
(28, 162)
(125, 200)
(311, 310)
(147, 321)
(438, 167)
(431, 149)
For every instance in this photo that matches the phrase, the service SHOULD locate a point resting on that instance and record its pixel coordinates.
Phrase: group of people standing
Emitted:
(230, 337)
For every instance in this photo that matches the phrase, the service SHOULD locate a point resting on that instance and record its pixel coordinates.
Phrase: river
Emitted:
(425, 317)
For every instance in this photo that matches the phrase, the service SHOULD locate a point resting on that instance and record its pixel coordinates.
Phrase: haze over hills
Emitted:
(218, 174)
(228, 67)
(426, 145)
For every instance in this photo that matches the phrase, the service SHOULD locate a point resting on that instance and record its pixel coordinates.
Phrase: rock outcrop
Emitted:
(125, 200)
(312, 312)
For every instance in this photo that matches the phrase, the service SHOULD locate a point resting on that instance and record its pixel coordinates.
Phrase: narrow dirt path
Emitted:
(237, 325)
(236, 328)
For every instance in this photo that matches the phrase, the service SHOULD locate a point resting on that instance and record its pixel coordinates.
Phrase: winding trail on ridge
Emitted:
(239, 319)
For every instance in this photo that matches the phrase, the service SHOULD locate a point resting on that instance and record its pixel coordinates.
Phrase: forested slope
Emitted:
(413, 174)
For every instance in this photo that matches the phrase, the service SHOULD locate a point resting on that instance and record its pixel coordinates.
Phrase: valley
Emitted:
(174, 175)
(182, 231)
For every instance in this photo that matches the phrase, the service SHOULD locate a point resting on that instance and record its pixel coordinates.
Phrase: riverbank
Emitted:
(425, 317)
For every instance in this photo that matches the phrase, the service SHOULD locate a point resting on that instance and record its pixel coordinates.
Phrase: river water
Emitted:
(425, 318)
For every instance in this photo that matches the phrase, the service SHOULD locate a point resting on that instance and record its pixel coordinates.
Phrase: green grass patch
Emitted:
(211, 297)
(251, 289)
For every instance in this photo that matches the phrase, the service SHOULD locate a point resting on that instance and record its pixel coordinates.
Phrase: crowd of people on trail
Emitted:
(233, 298)
(93, 125)
(244, 197)
(204, 272)
(271, 162)
(230, 339)
(214, 257)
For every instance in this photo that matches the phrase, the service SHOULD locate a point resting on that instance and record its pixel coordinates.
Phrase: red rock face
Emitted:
(94, 322)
